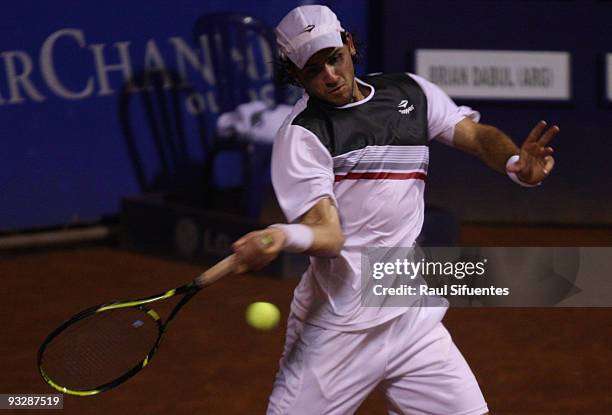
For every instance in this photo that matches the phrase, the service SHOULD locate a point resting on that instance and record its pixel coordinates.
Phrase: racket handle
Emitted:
(217, 271)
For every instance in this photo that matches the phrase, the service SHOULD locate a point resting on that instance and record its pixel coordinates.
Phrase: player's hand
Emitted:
(535, 159)
(257, 249)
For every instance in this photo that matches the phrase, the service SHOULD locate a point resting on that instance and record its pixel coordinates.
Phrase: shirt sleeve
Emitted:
(302, 171)
(442, 112)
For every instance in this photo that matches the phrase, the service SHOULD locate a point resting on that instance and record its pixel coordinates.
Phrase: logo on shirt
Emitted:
(404, 108)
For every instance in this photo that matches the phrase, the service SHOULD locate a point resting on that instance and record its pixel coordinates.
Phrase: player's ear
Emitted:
(351, 44)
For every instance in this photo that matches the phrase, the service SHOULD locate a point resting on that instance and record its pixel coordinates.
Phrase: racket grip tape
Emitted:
(217, 271)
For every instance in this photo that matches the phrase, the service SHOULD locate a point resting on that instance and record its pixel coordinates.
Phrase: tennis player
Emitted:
(349, 168)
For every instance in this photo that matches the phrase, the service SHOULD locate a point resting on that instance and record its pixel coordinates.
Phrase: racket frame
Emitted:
(224, 267)
(189, 290)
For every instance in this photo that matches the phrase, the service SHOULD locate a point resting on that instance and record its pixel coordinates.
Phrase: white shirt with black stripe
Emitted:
(371, 159)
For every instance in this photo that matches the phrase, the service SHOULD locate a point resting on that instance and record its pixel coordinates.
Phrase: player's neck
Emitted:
(359, 91)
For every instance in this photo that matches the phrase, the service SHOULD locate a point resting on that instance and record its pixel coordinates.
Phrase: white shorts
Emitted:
(330, 372)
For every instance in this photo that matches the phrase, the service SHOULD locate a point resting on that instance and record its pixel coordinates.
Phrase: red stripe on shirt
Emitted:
(381, 175)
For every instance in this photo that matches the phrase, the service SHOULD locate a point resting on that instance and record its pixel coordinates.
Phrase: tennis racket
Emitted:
(105, 345)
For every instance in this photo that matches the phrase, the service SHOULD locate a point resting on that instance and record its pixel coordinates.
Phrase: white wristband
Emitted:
(513, 176)
(299, 237)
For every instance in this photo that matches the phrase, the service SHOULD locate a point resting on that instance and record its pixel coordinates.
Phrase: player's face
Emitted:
(329, 75)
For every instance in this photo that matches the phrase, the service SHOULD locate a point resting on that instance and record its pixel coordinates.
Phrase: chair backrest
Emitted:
(160, 144)
(242, 50)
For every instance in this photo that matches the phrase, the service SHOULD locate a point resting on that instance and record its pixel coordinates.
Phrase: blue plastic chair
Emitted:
(153, 123)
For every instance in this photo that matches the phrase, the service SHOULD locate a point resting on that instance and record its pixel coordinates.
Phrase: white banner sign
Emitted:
(489, 74)
(609, 76)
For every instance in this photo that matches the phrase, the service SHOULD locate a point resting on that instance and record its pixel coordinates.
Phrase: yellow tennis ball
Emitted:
(262, 315)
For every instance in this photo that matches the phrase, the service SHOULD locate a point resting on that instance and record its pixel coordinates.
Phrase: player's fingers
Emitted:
(549, 164)
(245, 247)
(250, 238)
(260, 261)
(240, 265)
(273, 248)
(242, 240)
(236, 245)
(548, 135)
(257, 249)
(254, 247)
(536, 132)
(246, 260)
(273, 240)
(265, 240)
(546, 151)
(529, 148)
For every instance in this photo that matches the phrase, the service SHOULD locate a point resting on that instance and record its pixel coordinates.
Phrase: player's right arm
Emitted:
(323, 221)
(303, 179)
(257, 249)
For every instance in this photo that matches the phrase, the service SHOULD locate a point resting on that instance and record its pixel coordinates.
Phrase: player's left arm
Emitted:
(494, 148)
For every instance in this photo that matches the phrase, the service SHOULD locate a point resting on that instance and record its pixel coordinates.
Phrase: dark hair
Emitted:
(285, 66)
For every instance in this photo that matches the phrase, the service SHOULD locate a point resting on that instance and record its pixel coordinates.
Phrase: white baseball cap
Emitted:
(306, 30)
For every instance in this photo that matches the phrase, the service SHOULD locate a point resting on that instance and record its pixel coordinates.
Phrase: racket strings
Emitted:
(99, 348)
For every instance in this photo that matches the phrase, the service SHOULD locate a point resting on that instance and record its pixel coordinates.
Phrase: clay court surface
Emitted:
(528, 361)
